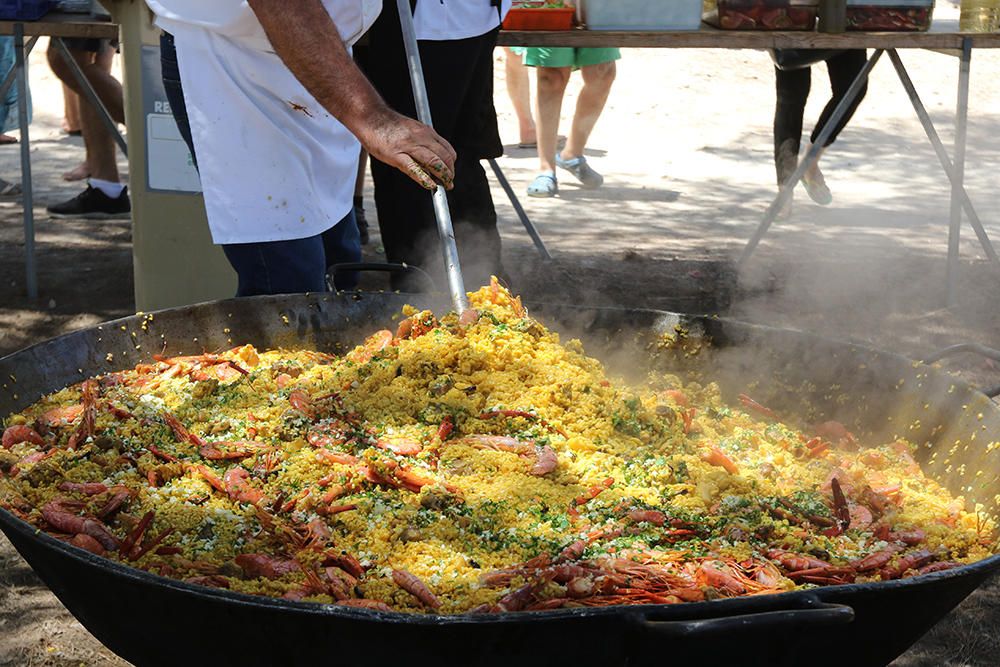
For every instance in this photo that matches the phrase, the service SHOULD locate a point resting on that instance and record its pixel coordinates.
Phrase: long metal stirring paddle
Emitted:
(456, 284)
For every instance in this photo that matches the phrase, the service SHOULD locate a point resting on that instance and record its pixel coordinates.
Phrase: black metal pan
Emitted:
(150, 620)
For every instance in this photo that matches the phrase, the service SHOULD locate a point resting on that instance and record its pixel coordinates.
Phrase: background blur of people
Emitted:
(72, 104)
(9, 113)
(792, 92)
(71, 112)
(106, 197)
(519, 90)
(554, 67)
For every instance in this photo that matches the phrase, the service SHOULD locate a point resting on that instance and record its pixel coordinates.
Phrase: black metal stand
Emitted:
(528, 225)
(786, 190)
(960, 201)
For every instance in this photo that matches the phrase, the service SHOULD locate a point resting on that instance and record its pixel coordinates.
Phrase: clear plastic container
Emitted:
(74, 6)
(762, 14)
(640, 14)
(980, 16)
(889, 15)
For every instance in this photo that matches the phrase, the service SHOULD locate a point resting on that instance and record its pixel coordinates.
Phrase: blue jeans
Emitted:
(275, 267)
(291, 267)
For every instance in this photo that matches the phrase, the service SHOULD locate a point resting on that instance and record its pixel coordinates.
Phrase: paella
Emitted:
(468, 465)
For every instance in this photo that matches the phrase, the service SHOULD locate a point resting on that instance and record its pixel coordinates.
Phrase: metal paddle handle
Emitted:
(456, 284)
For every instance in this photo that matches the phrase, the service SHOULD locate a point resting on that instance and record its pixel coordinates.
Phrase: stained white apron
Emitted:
(274, 165)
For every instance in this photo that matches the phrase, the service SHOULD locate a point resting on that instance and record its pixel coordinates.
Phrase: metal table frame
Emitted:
(55, 26)
(882, 43)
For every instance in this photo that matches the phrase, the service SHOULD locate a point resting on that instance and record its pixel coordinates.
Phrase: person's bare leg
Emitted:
(71, 110)
(107, 87)
(79, 172)
(519, 89)
(597, 81)
(552, 83)
(99, 144)
(97, 69)
(62, 70)
(71, 123)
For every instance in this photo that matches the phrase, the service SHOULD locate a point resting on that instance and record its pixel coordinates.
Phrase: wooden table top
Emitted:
(944, 35)
(60, 24)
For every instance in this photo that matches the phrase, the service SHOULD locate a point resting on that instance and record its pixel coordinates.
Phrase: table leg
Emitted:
(964, 200)
(91, 96)
(785, 191)
(957, 185)
(515, 202)
(31, 271)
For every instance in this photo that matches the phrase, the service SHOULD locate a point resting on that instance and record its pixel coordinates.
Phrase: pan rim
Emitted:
(9, 521)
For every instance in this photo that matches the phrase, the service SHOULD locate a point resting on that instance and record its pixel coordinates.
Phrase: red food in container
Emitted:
(889, 15)
(765, 14)
(535, 16)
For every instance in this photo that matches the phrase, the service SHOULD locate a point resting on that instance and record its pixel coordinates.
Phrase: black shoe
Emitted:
(92, 204)
(359, 216)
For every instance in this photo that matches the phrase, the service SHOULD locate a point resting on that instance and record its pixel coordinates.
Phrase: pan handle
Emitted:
(974, 348)
(815, 614)
(384, 267)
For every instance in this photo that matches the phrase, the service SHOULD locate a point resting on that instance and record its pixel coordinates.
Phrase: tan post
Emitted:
(174, 258)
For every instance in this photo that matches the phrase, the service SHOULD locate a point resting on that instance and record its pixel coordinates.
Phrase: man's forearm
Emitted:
(306, 39)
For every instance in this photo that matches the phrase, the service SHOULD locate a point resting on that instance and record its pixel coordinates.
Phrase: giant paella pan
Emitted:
(479, 491)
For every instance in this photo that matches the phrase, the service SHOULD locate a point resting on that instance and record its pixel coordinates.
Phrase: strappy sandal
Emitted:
(544, 185)
(578, 166)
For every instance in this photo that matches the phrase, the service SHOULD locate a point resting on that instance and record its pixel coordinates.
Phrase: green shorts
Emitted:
(537, 56)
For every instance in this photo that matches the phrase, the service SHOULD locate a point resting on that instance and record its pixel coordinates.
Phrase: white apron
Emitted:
(274, 165)
(445, 20)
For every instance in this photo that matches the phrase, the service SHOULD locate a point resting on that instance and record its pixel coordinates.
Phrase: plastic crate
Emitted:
(890, 15)
(653, 15)
(24, 10)
(539, 18)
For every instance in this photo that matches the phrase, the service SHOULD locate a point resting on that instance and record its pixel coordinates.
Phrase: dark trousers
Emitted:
(291, 267)
(792, 88)
(459, 78)
(171, 74)
(274, 267)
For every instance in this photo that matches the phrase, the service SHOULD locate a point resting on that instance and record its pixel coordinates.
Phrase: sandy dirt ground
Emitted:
(685, 145)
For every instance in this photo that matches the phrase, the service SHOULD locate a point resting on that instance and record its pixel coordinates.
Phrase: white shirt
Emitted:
(235, 19)
(274, 165)
(440, 20)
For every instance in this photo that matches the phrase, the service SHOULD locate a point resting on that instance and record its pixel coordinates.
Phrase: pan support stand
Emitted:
(529, 226)
(955, 171)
